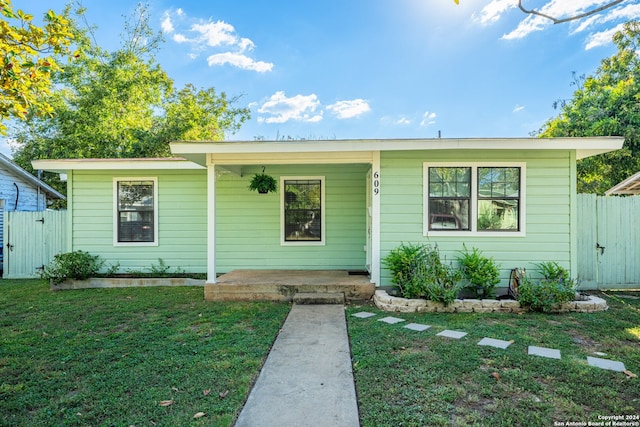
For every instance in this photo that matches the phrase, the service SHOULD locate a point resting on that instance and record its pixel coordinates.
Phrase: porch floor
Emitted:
(282, 285)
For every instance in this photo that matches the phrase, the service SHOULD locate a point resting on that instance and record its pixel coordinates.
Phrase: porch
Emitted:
(283, 285)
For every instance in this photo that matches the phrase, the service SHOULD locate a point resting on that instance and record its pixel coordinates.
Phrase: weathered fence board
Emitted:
(608, 241)
(31, 239)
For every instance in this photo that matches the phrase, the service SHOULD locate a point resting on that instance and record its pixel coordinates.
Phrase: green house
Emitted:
(339, 205)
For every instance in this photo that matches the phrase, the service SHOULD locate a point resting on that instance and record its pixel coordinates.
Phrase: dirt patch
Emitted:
(588, 344)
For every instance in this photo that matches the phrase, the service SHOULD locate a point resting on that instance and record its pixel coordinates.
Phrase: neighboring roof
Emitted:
(630, 185)
(16, 170)
(193, 155)
(585, 147)
(63, 165)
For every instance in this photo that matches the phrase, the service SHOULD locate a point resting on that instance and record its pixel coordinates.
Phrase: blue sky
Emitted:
(341, 69)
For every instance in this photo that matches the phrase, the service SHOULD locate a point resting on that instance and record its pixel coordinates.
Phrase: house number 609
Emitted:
(376, 183)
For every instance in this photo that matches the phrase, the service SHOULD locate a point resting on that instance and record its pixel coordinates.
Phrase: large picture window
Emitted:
(473, 198)
(302, 210)
(135, 211)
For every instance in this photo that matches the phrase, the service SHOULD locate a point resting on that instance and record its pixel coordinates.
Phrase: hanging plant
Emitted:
(263, 183)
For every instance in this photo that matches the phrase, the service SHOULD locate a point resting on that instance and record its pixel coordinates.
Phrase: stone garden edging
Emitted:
(386, 302)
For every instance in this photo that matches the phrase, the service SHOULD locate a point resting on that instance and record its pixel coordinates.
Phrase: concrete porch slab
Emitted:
(282, 285)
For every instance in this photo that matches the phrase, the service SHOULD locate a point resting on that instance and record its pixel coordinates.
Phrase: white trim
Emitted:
(155, 211)
(375, 221)
(323, 203)
(211, 223)
(584, 147)
(474, 200)
(64, 165)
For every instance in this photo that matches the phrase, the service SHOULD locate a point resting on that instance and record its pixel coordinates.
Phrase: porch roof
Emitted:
(236, 151)
(630, 185)
(193, 154)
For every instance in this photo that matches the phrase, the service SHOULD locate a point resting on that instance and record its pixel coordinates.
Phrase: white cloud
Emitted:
(350, 108)
(561, 9)
(216, 33)
(402, 121)
(239, 60)
(601, 38)
(518, 108)
(180, 38)
(281, 109)
(494, 10)
(428, 119)
(218, 39)
(166, 24)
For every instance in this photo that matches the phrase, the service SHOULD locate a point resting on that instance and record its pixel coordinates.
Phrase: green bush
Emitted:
(480, 273)
(548, 293)
(403, 263)
(77, 265)
(419, 273)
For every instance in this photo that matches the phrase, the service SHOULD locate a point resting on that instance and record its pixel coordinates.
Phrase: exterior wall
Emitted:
(248, 223)
(27, 196)
(182, 219)
(548, 208)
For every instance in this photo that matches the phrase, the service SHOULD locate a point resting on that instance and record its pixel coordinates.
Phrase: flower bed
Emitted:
(386, 302)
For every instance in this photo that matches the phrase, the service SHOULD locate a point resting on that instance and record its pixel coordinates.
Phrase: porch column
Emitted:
(376, 188)
(211, 222)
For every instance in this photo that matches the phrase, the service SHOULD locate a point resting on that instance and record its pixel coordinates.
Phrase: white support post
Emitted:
(376, 188)
(211, 223)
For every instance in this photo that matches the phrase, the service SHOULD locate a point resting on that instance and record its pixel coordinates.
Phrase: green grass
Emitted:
(102, 357)
(408, 378)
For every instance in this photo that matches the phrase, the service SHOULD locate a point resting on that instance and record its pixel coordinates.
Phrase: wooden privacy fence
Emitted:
(608, 242)
(31, 239)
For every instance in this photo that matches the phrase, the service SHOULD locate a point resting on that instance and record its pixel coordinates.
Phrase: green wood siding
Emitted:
(248, 224)
(182, 219)
(548, 208)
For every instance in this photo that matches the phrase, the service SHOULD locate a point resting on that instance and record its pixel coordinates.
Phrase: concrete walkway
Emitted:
(307, 378)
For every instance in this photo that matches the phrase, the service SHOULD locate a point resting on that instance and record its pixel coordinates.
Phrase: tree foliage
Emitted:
(30, 54)
(122, 104)
(606, 104)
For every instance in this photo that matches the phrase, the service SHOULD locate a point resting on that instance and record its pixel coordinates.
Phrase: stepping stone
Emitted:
(390, 320)
(490, 342)
(611, 365)
(452, 334)
(550, 353)
(363, 314)
(417, 327)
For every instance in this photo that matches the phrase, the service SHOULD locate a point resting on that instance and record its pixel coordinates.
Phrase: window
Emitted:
(302, 210)
(462, 199)
(135, 211)
(449, 198)
(498, 198)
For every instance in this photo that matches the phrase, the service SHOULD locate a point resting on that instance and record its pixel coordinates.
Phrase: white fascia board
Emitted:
(584, 146)
(63, 165)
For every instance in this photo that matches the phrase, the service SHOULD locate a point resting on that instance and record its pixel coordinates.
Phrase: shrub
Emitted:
(553, 289)
(419, 273)
(403, 263)
(481, 273)
(77, 265)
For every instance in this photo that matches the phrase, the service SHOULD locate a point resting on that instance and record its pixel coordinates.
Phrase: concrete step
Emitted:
(318, 298)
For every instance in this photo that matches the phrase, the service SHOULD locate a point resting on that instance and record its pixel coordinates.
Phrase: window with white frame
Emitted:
(136, 211)
(480, 198)
(302, 214)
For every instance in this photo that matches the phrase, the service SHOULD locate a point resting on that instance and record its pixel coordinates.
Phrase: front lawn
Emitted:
(102, 357)
(408, 378)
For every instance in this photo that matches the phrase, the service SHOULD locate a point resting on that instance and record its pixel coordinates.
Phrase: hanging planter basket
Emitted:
(263, 183)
